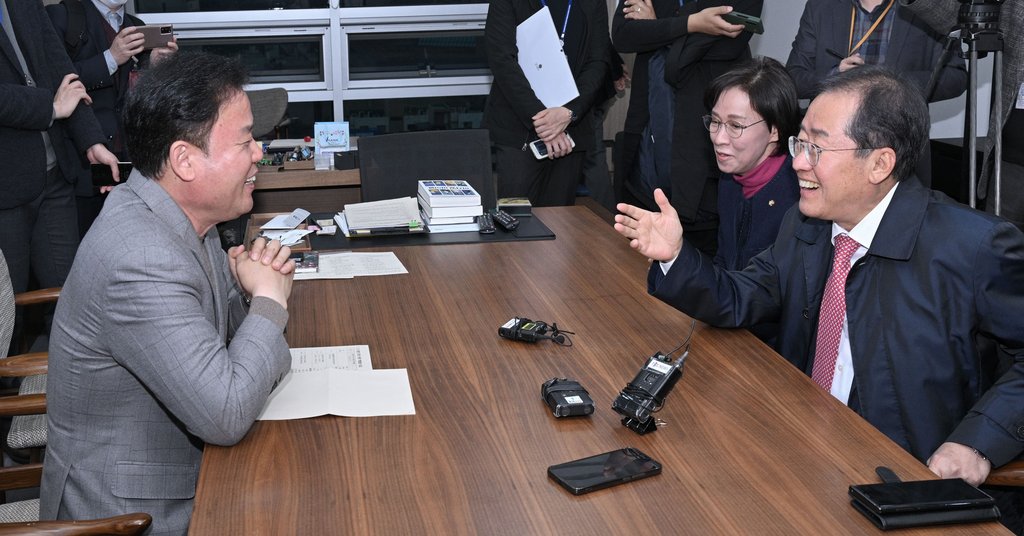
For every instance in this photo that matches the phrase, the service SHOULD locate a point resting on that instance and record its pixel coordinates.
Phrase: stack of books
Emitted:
(449, 206)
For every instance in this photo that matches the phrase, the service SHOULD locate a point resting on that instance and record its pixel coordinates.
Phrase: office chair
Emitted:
(390, 164)
(268, 110)
(22, 517)
(28, 429)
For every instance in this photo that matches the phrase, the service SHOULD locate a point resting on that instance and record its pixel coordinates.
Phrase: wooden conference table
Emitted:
(751, 445)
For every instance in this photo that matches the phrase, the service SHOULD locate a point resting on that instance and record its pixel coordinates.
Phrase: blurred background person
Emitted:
(47, 130)
(515, 116)
(106, 48)
(837, 35)
(681, 48)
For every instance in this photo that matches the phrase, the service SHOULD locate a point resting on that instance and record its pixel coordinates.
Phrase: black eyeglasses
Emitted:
(734, 130)
(813, 152)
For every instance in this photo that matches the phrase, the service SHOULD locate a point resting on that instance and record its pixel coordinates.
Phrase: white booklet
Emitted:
(543, 62)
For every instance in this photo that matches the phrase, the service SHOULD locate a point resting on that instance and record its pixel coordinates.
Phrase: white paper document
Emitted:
(287, 238)
(287, 221)
(338, 380)
(331, 357)
(349, 264)
(543, 62)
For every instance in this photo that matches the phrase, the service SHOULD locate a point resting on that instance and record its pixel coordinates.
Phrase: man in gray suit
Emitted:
(161, 341)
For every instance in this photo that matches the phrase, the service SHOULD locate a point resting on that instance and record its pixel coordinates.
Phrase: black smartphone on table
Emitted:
(750, 23)
(603, 470)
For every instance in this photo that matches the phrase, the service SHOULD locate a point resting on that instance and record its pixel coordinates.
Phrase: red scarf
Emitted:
(754, 180)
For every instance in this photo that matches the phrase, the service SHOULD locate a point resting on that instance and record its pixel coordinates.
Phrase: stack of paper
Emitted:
(449, 206)
(388, 216)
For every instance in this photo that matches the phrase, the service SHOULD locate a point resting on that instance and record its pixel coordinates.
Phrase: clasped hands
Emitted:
(264, 269)
(550, 125)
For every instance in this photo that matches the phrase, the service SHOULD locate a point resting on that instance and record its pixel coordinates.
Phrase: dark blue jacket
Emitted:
(747, 226)
(938, 277)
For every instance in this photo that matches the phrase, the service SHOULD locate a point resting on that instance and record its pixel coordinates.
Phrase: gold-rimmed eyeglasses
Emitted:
(813, 152)
(734, 129)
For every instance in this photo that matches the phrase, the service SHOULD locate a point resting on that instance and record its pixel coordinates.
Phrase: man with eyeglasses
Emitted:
(907, 336)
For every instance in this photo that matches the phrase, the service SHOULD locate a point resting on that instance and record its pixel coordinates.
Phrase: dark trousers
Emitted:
(547, 182)
(41, 237)
(595, 164)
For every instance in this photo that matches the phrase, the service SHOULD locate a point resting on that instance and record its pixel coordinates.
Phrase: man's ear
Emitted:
(182, 159)
(883, 164)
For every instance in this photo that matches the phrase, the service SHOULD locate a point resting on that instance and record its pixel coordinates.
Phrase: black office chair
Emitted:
(390, 164)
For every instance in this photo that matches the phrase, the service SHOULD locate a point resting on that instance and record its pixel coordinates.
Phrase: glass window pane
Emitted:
(270, 60)
(385, 116)
(380, 3)
(377, 56)
(190, 6)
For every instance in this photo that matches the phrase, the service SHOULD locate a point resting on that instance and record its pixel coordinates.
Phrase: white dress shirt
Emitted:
(114, 19)
(863, 233)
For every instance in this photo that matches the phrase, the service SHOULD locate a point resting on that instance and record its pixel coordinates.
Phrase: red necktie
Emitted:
(833, 311)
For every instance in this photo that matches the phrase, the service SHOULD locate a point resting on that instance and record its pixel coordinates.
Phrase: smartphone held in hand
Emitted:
(156, 35)
(540, 150)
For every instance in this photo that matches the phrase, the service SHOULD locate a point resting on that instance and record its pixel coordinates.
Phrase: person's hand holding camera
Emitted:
(160, 53)
(128, 42)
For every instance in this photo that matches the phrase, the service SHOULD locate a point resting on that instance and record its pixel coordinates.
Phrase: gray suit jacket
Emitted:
(914, 49)
(942, 15)
(152, 353)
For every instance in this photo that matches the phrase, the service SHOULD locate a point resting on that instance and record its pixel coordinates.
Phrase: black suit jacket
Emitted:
(938, 277)
(511, 103)
(914, 49)
(26, 111)
(107, 91)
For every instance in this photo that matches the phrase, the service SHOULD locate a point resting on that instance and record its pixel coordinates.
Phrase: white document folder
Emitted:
(543, 62)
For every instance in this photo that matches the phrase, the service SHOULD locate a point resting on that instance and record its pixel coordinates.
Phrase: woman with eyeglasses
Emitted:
(754, 111)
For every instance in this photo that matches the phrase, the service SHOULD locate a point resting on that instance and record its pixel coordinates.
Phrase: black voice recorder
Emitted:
(566, 398)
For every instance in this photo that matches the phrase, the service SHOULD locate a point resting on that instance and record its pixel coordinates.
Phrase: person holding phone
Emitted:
(516, 117)
(47, 128)
(681, 47)
(108, 53)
